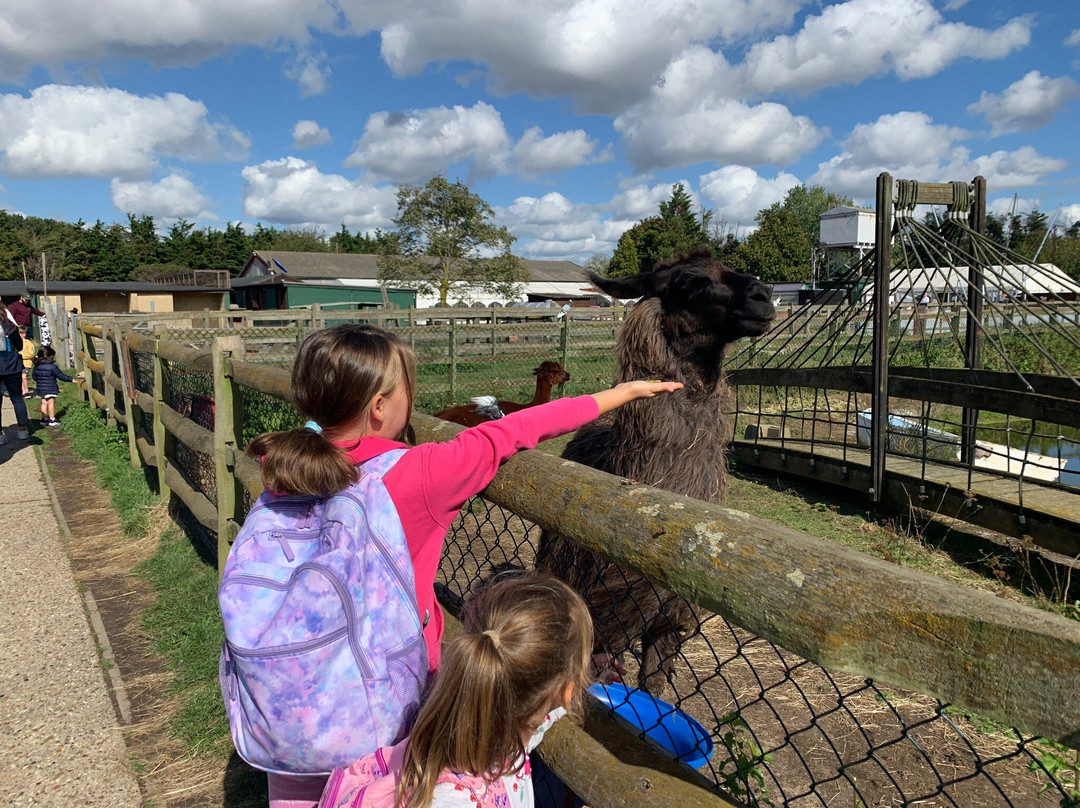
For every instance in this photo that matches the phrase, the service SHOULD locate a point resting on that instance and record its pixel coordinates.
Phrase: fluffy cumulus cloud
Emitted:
(850, 42)
(293, 192)
(310, 71)
(162, 32)
(737, 193)
(413, 146)
(909, 145)
(688, 118)
(63, 131)
(534, 154)
(602, 53)
(1073, 39)
(555, 228)
(1026, 104)
(173, 197)
(1004, 205)
(308, 133)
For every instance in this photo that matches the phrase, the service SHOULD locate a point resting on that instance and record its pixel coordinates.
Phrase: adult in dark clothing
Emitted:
(22, 311)
(11, 373)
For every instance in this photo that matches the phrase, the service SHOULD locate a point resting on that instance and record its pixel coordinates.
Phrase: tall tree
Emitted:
(676, 231)
(448, 241)
(788, 231)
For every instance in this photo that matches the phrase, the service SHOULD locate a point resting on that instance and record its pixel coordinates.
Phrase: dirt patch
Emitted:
(104, 562)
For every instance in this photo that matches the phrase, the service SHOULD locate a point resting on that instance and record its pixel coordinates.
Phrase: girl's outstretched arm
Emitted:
(626, 392)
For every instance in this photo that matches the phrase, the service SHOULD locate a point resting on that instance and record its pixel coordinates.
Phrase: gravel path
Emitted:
(60, 741)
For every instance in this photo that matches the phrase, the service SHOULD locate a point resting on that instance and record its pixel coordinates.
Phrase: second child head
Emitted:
(45, 354)
(348, 382)
(525, 650)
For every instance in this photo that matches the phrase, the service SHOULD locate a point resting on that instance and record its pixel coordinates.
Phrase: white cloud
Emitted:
(553, 227)
(173, 197)
(852, 41)
(1026, 104)
(535, 154)
(639, 201)
(413, 146)
(602, 53)
(294, 192)
(1003, 205)
(910, 146)
(310, 71)
(737, 193)
(1070, 214)
(159, 31)
(308, 133)
(61, 131)
(688, 119)
(1073, 39)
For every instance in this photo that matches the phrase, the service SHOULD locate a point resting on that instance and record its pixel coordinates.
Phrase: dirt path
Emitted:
(104, 563)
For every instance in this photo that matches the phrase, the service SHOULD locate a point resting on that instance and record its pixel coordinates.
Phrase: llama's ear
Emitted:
(622, 288)
(683, 282)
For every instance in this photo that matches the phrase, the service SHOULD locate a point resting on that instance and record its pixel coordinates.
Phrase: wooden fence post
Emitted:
(90, 353)
(227, 439)
(318, 319)
(131, 409)
(494, 328)
(412, 328)
(107, 373)
(161, 435)
(452, 356)
(564, 339)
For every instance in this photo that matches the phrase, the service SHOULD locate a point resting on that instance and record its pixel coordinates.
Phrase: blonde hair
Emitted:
(337, 373)
(525, 639)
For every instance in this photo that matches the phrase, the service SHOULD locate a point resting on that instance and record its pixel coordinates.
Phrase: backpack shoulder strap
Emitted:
(381, 464)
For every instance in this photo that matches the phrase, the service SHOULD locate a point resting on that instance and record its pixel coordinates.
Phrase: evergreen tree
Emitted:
(676, 231)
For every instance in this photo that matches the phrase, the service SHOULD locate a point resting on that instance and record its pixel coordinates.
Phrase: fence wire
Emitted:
(789, 732)
(786, 731)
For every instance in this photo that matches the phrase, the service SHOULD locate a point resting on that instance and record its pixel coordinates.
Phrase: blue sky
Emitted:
(572, 118)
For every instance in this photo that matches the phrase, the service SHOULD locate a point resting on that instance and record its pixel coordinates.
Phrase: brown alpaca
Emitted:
(548, 375)
(690, 311)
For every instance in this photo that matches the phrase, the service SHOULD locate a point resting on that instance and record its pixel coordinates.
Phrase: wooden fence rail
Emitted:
(837, 607)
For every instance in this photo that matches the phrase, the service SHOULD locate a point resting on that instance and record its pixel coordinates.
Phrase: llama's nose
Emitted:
(759, 292)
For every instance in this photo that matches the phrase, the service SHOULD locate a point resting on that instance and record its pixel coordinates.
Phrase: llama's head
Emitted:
(552, 371)
(701, 296)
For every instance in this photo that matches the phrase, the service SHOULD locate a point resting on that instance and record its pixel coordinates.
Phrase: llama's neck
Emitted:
(543, 391)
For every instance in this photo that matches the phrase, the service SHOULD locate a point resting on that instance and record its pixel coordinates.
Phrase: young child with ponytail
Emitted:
(520, 664)
(354, 385)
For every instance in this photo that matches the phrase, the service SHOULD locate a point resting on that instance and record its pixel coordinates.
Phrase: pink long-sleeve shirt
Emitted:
(431, 482)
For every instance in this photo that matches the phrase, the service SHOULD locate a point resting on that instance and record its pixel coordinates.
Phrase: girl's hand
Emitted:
(626, 392)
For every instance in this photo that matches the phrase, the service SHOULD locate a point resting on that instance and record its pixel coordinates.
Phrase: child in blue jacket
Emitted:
(46, 376)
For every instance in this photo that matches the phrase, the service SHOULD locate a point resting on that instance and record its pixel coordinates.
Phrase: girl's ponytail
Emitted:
(300, 462)
(525, 639)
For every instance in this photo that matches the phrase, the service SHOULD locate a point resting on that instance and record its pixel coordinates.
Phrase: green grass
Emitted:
(183, 623)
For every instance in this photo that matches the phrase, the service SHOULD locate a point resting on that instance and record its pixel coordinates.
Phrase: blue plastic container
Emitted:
(664, 724)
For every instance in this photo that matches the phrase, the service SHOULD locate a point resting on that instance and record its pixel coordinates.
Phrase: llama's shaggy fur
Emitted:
(548, 375)
(690, 311)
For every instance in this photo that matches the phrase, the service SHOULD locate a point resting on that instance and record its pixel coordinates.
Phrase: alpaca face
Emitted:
(702, 297)
(553, 372)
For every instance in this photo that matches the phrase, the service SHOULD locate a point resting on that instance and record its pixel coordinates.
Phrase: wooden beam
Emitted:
(840, 608)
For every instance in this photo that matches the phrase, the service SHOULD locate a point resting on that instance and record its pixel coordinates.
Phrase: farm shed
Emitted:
(279, 276)
(93, 297)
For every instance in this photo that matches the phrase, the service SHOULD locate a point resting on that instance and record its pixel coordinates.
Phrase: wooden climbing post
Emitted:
(972, 334)
(879, 394)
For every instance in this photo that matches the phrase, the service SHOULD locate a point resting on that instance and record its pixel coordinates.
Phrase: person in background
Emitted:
(22, 312)
(46, 374)
(29, 351)
(11, 373)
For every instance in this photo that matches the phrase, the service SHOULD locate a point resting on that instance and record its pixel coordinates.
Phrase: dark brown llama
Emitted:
(548, 375)
(690, 310)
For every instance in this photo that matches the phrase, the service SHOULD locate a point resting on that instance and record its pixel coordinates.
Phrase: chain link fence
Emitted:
(786, 731)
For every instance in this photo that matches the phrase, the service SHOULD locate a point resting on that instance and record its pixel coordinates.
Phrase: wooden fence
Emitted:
(834, 606)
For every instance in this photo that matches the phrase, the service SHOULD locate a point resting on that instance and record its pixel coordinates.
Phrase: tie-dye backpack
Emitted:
(324, 658)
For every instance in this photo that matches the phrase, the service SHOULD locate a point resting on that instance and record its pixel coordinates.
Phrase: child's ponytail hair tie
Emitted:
(313, 427)
(494, 637)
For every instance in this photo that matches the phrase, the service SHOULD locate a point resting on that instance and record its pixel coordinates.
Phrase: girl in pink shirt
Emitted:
(355, 385)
